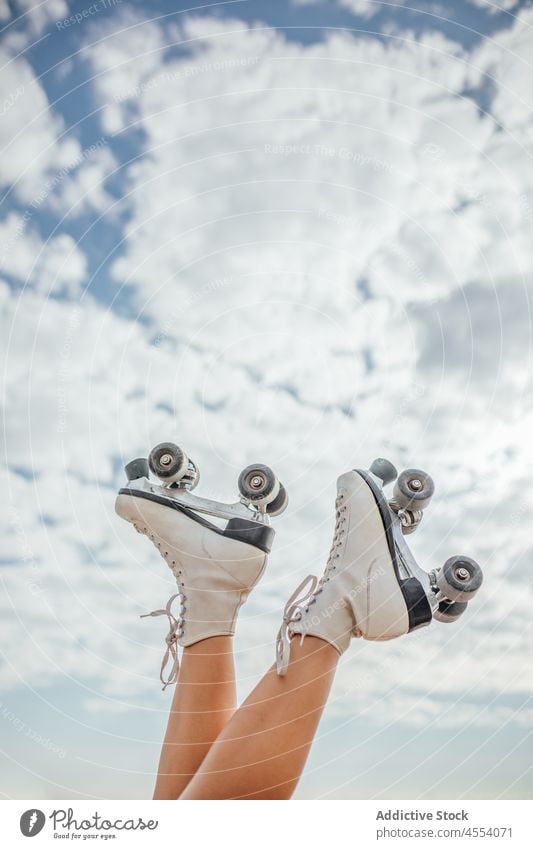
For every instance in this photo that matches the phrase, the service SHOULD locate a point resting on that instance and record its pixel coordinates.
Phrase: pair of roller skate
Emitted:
(372, 586)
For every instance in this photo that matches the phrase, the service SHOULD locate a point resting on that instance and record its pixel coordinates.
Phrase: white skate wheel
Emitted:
(280, 503)
(136, 469)
(258, 484)
(459, 579)
(414, 489)
(194, 474)
(168, 462)
(450, 611)
(384, 470)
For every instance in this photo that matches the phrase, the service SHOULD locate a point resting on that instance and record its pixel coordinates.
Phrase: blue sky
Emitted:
(298, 233)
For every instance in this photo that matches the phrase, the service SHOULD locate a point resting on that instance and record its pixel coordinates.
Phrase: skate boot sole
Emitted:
(258, 535)
(416, 601)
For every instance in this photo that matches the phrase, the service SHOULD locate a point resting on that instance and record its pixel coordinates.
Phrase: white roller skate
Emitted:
(372, 586)
(215, 567)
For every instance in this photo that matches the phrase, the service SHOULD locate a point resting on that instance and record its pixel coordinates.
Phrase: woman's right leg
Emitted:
(262, 751)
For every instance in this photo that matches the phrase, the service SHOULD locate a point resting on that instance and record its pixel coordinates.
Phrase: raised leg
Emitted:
(204, 701)
(261, 752)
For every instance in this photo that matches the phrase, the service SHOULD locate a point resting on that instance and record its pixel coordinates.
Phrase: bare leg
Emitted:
(261, 752)
(204, 701)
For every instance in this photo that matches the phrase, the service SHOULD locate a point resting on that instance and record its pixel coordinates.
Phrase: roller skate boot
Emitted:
(372, 586)
(215, 565)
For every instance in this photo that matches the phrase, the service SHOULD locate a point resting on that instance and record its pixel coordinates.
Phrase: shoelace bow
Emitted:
(291, 613)
(175, 623)
(171, 639)
(294, 608)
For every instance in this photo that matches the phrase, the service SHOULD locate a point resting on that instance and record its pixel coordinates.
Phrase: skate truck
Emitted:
(448, 588)
(261, 495)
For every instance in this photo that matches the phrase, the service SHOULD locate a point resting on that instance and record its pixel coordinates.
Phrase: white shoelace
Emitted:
(171, 639)
(295, 606)
(291, 613)
(175, 624)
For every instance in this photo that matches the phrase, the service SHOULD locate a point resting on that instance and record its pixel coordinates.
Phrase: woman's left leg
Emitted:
(262, 751)
(215, 571)
(204, 702)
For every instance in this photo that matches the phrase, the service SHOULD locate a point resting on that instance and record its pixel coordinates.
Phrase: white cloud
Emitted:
(5, 12)
(450, 714)
(507, 59)
(495, 6)
(81, 189)
(32, 143)
(123, 60)
(369, 8)
(364, 8)
(57, 266)
(36, 15)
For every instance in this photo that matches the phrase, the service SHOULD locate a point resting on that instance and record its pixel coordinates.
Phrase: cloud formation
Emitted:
(321, 253)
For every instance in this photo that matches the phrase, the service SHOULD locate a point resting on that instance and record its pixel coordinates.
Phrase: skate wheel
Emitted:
(384, 470)
(258, 484)
(279, 505)
(189, 480)
(136, 469)
(450, 611)
(168, 462)
(410, 519)
(194, 473)
(414, 489)
(459, 579)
